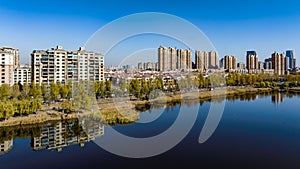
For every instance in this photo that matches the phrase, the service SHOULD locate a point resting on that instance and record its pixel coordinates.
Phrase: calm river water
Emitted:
(255, 131)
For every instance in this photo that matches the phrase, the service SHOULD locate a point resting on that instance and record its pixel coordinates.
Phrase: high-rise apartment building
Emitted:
(229, 62)
(201, 60)
(9, 61)
(278, 63)
(251, 61)
(59, 65)
(163, 59)
(172, 59)
(189, 61)
(22, 74)
(181, 59)
(213, 60)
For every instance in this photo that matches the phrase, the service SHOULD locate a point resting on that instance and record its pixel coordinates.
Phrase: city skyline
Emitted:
(253, 25)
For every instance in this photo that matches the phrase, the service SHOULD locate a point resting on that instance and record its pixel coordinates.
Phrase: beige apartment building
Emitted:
(278, 63)
(230, 63)
(174, 59)
(201, 60)
(252, 61)
(206, 60)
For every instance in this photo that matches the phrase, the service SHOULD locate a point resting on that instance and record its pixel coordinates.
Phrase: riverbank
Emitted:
(124, 111)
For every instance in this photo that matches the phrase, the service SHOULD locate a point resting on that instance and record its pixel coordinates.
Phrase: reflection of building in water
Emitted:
(6, 146)
(278, 98)
(62, 134)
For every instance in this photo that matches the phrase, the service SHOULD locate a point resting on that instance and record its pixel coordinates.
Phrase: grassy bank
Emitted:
(122, 111)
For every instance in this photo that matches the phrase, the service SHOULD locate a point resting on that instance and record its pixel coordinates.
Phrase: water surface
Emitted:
(256, 131)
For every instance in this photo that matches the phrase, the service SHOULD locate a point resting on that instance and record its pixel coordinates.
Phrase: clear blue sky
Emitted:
(233, 26)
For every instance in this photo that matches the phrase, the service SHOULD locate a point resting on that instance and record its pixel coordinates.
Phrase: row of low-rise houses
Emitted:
(169, 78)
(51, 65)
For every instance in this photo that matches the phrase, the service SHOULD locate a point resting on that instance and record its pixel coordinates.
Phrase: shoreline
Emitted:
(109, 110)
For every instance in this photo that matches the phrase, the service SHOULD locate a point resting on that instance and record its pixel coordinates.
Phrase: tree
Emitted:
(15, 91)
(108, 87)
(123, 86)
(25, 91)
(134, 87)
(262, 84)
(54, 90)
(286, 84)
(159, 84)
(67, 105)
(45, 92)
(64, 91)
(35, 90)
(4, 92)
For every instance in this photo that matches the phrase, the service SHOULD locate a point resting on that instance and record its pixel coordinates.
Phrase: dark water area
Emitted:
(255, 131)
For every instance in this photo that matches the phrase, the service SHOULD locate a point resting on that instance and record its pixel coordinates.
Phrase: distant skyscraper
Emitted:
(260, 65)
(291, 59)
(147, 66)
(287, 65)
(268, 63)
(278, 63)
(229, 62)
(221, 63)
(241, 65)
(251, 61)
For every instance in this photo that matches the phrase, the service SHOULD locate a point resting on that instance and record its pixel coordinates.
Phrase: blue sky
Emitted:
(232, 26)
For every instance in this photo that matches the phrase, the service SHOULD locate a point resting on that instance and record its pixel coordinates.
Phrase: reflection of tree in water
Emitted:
(11, 132)
(8, 134)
